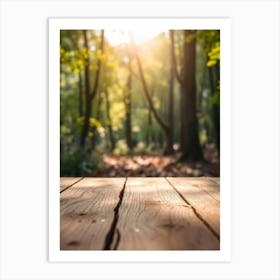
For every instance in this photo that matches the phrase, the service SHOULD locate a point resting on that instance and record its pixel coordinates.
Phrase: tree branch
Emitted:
(99, 63)
(171, 34)
(87, 63)
(147, 94)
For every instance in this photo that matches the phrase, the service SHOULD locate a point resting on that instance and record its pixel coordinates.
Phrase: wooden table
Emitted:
(140, 213)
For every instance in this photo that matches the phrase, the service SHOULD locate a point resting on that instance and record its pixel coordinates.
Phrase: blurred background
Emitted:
(139, 103)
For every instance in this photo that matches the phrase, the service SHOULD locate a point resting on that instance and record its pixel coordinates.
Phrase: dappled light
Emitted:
(141, 102)
(139, 120)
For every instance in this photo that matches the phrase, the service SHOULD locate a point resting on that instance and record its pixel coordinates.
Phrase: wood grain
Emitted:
(198, 195)
(209, 185)
(153, 216)
(66, 182)
(215, 179)
(87, 212)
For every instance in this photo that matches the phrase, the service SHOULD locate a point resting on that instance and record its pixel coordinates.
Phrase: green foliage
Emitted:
(214, 55)
(141, 149)
(78, 162)
(207, 39)
(121, 148)
(93, 122)
(215, 98)
(203, 137)
(146, 132)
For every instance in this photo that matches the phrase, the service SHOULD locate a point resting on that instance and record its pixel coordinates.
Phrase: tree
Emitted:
(127, 103)
(149, 132)
(117, 97)
(169, 146)
(214, 76)
(81, 102)
(189, 141)
(109, 122)
(69, 43)
(89, 95)
(163, 125)
(167, 128)
(96, 121)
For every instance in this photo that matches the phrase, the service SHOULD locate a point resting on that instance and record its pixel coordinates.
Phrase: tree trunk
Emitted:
(127, 104)
(111, 135)
(95, 138)
(149, 129)
(215, 108)
(169, 139)
(163, 125)
(148, 96)
(149, 135)
(81, 113)
(189, 141)
(85, 128)
(89, 96)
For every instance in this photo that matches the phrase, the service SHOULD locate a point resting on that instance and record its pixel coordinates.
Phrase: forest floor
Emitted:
(154, 165)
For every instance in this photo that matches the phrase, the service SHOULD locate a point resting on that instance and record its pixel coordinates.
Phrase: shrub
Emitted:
(78, 163)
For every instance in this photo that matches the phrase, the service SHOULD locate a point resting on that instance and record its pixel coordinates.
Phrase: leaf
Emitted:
(215, 98)
(211, 63)
(214, 55)
(93, 122)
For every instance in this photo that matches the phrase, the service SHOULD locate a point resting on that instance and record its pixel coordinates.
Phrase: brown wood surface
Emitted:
(139, 214)
(154, 217)
(215, 179)
(207, 207)
(66, 182)
(207, 184)
(87, 212)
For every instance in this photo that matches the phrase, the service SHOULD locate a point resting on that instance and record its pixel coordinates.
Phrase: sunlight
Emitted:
(120, 102)
(118, 37)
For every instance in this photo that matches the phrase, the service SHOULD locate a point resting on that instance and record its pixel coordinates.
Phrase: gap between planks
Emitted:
(85, 218)
(136, 208)
(113, 229)
(69, 182)
(113, 235)
(198, 215)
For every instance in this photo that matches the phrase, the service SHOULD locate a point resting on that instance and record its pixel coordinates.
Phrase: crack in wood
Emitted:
(109, 240)
(194, 211)
(72, 185)
(115, 244)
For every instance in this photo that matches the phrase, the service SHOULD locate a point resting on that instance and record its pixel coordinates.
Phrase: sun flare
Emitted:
(118, 37)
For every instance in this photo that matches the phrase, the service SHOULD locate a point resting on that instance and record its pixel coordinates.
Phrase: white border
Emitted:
(55, 255)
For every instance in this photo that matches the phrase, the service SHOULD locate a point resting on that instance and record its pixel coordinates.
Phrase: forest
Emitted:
(140, 103)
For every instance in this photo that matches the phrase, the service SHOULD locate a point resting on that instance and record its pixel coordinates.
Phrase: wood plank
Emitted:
(87, 212)
(215, 179)
(153, 216)
(204, 204)
(208, 184)
(66, 182)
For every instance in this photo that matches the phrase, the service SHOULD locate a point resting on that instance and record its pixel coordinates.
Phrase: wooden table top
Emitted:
(172, 213)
